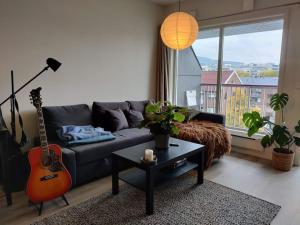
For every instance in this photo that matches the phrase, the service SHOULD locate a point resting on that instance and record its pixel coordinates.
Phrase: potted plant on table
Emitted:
(159, 118)
(277, 135)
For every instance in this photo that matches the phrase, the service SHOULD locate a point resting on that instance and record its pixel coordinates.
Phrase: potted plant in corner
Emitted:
(159, 118)
(277, 135)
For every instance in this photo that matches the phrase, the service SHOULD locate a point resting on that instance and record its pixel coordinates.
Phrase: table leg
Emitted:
(8, 198)
(115, 175)
(149, 191)
(200, 169)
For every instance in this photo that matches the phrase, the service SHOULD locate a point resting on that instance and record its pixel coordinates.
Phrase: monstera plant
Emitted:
(276, 135)
(159, 118)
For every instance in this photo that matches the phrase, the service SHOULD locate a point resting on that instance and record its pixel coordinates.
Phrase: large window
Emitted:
(239, 69)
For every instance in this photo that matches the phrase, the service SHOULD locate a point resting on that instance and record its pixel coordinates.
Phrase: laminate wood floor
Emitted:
(240, 172)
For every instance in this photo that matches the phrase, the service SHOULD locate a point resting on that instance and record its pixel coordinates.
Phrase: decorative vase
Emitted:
(282, 161)
(161, 141)
(297, 157)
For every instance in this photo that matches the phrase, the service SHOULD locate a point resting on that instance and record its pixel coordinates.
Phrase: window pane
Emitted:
(251, 61)
(197, 72)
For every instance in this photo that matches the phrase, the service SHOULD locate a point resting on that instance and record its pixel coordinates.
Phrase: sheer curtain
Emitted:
(166, 74)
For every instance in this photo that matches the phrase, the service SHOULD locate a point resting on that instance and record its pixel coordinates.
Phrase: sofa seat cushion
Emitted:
(124, 138)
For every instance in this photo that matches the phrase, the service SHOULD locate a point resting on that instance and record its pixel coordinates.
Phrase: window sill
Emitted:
(243, 134)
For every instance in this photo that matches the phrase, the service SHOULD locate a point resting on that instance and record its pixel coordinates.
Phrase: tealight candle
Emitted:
(148, 156)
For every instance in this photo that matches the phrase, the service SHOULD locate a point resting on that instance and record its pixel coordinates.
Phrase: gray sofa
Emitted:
(90, 161)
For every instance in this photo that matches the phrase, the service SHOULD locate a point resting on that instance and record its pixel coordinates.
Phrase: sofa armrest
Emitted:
(212, 117)
(69, 160)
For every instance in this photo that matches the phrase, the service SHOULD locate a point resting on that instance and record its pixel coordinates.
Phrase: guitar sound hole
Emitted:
(49, 177)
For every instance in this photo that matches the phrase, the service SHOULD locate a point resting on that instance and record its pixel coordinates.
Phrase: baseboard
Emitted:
(267, 154)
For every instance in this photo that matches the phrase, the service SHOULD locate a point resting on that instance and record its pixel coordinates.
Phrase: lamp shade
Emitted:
(53, 64)
(179, 30)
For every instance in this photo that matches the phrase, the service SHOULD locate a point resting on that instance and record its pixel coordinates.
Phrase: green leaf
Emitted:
(281, 135)
(153, 108)
(279, 101)
(253, 121)
(297, 128)
(179, 117)
(267, 141)
(297, 141)
(175, 130)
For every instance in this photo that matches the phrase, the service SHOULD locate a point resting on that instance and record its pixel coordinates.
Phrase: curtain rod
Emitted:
(254, 10)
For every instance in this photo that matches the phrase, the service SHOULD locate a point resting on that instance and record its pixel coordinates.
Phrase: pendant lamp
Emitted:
(179, 30)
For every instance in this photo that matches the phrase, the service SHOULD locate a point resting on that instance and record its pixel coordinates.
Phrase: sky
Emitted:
(259, 47)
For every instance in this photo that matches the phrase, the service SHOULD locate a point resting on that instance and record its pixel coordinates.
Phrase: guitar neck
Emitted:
(42, 131)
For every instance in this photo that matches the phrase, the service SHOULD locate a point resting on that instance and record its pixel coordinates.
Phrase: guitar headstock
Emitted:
(35, 97)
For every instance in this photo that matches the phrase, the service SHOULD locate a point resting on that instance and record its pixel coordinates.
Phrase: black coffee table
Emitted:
(145, 177)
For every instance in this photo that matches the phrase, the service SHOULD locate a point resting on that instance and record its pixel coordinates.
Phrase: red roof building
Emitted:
(228, 77)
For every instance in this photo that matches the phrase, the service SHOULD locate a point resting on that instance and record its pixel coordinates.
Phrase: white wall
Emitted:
(108, 50)
(290, 74)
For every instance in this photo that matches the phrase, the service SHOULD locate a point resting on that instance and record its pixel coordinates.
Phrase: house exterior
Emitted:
(208, 88)
(238, 95)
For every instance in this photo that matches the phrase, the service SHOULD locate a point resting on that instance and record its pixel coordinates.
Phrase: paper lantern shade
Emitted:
(179, 30)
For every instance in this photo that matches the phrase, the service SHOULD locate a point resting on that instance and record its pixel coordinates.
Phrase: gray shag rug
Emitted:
(177, 202)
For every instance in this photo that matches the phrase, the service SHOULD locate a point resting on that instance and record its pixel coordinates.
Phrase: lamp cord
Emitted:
(179, 5)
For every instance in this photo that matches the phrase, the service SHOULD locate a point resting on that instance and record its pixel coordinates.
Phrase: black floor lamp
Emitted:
(8, 143)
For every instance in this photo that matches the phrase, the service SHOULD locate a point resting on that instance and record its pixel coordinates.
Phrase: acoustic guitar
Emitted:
(49, 179)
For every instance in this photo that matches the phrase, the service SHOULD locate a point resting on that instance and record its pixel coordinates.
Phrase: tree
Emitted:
(236, 105)
(269, 73)
(242, 73)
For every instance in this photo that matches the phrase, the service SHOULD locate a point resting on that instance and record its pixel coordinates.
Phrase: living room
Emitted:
(233, 79)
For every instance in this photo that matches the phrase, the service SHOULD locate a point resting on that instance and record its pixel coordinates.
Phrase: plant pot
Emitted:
(161, 141)
(282, 161)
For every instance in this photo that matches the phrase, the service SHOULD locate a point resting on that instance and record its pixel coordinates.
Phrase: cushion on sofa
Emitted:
(138, 105)
(57, 116)
(133, 117)
(117, 119)
(99, 114)
(124, 138)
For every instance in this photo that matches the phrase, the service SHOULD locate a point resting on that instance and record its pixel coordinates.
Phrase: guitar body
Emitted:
(47, 182)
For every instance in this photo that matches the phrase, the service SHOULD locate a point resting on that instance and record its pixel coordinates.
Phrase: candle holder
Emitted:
(149, 162)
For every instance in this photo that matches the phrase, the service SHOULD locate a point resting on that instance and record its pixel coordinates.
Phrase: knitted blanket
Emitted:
(215, 137)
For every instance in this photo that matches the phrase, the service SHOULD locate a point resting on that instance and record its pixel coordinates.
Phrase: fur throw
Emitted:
(215, 137)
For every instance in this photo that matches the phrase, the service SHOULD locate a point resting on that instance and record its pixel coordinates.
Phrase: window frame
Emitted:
(248, 18)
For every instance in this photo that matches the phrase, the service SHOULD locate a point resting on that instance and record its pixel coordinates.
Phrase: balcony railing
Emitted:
(236, 99)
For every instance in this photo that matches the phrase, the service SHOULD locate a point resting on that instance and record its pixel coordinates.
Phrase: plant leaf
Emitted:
(279, 101)
(297, 128)
(175, 130)
(153, 108)
(281, 135)
(297, 141)
(267, 141)
(179, 117)
(253, 121)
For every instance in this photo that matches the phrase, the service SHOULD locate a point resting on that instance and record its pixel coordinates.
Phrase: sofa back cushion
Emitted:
(134, 118)
(57, 116)
(138, 105)
(117, 119)
(100, 115)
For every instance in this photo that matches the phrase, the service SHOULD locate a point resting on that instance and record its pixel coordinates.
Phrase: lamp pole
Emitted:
(8, 152)
(24, 85)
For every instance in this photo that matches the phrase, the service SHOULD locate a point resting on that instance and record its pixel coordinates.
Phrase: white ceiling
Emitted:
(164, 2)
